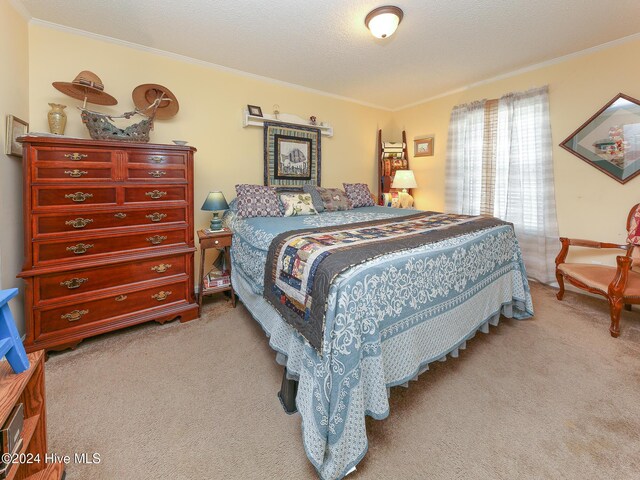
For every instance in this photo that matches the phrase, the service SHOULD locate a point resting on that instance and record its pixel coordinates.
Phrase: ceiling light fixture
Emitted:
(383, 21)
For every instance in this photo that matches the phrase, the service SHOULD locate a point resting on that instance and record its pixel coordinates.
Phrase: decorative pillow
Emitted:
(233, 205)
(297, 204)
(634, 228)
(359, 194)
(334, 199)
(257, 201)
(315, 197)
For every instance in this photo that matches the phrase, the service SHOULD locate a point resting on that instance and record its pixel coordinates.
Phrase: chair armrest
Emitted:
(619, 282)
(576, 242)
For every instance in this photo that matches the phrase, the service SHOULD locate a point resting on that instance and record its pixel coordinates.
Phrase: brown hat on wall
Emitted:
(87, 85)
(144, 95)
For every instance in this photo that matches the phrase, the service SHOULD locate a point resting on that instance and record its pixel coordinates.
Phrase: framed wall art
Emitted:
(254, 110)
(423, 147)
(610, 139)
(15, 129)
(292, 156)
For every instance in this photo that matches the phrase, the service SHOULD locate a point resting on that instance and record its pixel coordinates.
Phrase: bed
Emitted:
(386, 318)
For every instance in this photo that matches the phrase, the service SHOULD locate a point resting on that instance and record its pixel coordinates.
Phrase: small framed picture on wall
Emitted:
(15, 128)
(254, 110)
(423, 147)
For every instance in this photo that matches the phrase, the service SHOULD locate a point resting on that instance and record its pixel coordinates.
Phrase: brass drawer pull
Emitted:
(79, 222)
(79, 249)
(73, 283)
(157, 239)
(74, 316)
(120, 215)
(120, 298)
(156, 217)
(156, 194)
(156, 159)
(162, 295)
(163, 267)
(75, 173)
(75, 156)
(78, 196)
(157, 173)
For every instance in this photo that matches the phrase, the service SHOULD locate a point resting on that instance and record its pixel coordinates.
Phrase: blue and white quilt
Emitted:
(386, 320)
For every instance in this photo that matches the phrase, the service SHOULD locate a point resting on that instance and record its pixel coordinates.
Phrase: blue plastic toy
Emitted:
(10, 342)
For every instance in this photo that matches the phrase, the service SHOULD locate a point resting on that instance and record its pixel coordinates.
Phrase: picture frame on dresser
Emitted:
(109, 237)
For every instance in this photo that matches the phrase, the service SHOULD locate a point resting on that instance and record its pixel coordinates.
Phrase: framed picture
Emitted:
(423, 147)
(15, 129)
(610, 139)
(254, 110)
(292, 156)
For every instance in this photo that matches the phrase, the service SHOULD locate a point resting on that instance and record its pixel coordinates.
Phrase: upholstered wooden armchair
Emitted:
(619, 285)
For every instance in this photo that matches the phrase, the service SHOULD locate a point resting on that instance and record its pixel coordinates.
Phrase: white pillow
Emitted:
(297, 204)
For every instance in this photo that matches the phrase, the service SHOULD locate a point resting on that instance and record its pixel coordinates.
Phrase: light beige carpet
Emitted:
(552, 397)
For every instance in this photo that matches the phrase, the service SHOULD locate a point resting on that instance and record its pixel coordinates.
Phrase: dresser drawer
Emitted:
(65, 284)
(76, 173)
(71, 222)
(93, 311)
(49, 251)
(76, 196)
(156, 159)
(155, 193)
(71, 154)
(148, 173)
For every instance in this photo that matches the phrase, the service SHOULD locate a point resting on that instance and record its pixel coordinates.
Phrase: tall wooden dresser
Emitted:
(108, 237)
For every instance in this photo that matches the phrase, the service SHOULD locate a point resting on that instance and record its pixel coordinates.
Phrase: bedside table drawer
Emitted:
(217, 242)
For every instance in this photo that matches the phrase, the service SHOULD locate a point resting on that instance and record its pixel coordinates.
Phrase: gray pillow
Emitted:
(318, 204)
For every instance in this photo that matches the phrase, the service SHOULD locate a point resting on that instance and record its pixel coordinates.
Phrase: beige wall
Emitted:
(589, 203)
(14, 100)
(210, 116)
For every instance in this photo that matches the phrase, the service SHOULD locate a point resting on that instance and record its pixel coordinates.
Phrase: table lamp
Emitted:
(404, 179)
(215, 203)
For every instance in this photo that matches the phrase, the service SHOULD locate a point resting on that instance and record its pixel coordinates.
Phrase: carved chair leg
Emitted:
(615, 306)
(560, 279)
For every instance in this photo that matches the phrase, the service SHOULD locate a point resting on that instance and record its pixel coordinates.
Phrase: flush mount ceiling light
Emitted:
(383, 21)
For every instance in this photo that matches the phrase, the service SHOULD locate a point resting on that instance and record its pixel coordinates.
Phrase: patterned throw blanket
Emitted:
(302, 264)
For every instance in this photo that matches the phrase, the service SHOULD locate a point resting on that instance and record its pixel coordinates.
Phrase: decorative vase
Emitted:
(57, 118)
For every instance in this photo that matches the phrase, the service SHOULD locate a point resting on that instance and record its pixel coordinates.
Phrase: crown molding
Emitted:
(202, 63)
(535, 66)
(21, 9)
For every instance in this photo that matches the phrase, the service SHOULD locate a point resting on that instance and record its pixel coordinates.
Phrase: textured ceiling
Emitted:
(324, 45)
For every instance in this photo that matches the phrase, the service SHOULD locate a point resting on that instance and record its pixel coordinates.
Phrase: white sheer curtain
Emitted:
(511, 164)
(524, 189)
(464, 159)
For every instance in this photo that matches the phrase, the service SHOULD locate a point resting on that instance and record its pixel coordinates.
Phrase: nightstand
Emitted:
(221, 241)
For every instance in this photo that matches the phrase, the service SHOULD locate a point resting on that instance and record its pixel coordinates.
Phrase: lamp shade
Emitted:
(404, 179)
(215, 201)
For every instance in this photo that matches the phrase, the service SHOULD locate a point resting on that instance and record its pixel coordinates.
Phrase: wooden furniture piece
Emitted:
(218, 240)
(108, 237)
(28, 388)
(619, 285)
(391, 157)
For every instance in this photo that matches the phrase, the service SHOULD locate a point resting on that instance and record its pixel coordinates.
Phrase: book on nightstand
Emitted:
(217, 278)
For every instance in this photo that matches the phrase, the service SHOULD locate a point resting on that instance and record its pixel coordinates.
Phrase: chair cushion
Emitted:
(600, 276)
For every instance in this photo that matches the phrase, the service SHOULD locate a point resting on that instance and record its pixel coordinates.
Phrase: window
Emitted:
(499, 163)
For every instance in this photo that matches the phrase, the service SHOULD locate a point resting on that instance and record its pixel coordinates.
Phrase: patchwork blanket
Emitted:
(302, 264)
